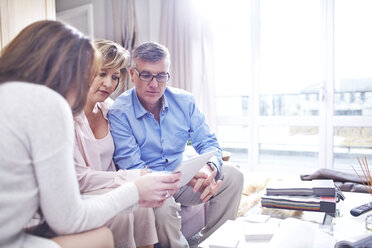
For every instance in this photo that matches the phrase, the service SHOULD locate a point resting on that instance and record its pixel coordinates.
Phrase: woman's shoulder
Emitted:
(28, 88)
(25, 91)
(35, 111)
(33, 99)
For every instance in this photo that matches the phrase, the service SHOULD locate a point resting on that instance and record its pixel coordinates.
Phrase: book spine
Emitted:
(324, 204)
(315, 192)
(290, 193)
(328, 204)
(291, 207)
(325, 192)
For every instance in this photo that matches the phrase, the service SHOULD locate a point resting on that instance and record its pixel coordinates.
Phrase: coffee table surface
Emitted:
(343, 227)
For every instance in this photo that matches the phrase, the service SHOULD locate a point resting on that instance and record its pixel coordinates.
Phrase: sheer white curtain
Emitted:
(121, 27)
(189, 40)
(121, 24)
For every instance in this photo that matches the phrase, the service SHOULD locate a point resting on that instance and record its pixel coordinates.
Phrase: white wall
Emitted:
(99, 18)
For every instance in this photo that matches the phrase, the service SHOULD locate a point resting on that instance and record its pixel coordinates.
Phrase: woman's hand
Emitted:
(155, 188)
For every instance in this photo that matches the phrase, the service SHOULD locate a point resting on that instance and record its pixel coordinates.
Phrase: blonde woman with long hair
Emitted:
(94, 149)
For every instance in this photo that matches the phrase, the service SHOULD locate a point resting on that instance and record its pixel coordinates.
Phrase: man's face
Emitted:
(149, 93)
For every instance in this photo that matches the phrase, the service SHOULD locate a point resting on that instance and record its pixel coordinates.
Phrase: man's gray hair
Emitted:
(150, 52)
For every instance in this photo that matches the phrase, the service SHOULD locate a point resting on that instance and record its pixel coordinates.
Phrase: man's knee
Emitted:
(168, 224)
(233, 178)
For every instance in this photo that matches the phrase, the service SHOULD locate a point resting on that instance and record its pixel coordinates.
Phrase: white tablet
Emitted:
(191, 166)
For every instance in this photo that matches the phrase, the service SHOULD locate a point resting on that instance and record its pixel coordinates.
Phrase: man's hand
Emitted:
(204, 182)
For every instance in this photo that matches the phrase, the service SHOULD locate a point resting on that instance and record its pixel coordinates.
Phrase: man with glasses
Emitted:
(151, 125)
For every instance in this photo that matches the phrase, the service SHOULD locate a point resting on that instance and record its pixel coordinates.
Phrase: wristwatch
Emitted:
(212, 165)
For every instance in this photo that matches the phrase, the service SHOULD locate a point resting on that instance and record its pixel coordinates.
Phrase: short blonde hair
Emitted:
(114, 56)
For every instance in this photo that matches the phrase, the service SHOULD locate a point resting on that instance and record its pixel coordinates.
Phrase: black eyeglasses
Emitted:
(161, 78)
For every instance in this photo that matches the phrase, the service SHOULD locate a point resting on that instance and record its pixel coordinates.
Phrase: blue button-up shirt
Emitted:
(141, 141)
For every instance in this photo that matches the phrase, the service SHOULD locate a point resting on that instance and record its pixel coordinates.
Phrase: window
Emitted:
(233, 74)
(352, 82)
(289, 80)
(294, 82)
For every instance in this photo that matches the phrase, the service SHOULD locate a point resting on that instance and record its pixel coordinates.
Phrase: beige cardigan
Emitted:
(91, 173)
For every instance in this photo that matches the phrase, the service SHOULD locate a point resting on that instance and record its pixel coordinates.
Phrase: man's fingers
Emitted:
(198, 184)
(205, 192)
(211, 176)
(207, 198)
(200, 174)
(210, 191)
(216, 187)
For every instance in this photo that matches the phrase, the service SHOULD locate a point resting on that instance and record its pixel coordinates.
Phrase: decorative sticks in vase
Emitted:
(367, 182)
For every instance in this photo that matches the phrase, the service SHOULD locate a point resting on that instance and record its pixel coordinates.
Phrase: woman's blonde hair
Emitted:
(53, 54)
(114, 56)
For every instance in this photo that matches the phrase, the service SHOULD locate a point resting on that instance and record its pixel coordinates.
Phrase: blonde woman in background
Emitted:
(94, 149)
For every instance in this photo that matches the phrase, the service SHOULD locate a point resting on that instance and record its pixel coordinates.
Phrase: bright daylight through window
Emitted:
(293, 81)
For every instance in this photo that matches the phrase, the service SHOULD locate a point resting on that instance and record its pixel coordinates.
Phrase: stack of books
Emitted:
(316, 195)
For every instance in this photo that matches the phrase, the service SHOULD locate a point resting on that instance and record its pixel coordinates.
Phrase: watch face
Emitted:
(212, 165)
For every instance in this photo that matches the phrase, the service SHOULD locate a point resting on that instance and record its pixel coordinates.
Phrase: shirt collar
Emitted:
(139, 110)
(164, 103)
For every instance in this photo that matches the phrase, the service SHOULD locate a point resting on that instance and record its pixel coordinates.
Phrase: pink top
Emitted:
(106, 148)
(93, 157)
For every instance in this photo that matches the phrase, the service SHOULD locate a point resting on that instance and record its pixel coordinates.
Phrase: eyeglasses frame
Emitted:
(153, 76)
